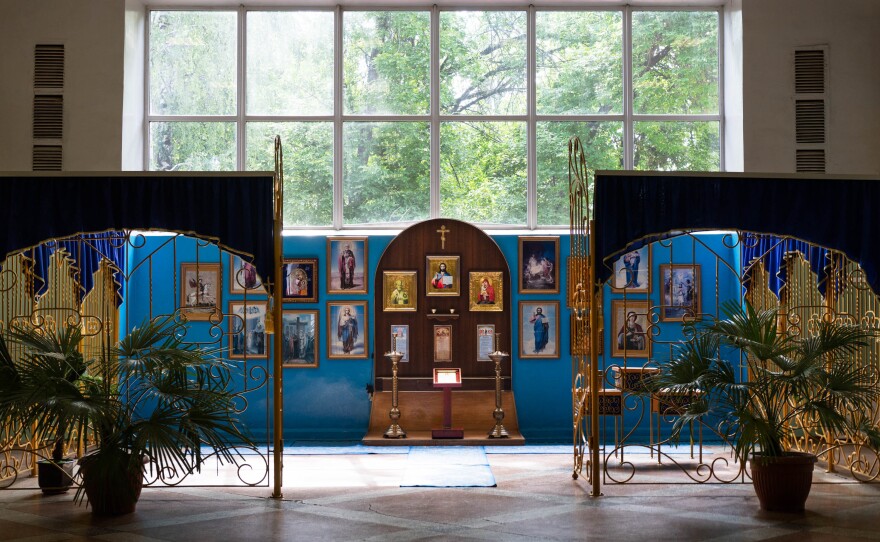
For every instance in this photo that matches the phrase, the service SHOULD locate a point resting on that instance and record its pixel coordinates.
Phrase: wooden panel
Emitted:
(476, 252)
(422, 411)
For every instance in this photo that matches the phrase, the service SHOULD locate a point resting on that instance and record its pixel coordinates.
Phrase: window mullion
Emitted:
(242, 92)
(628, 135)
(338, 199)
(434, 168)
(531, 123)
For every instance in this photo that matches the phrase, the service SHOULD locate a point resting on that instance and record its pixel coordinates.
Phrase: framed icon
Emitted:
(346, 265)
(400, 340)
(630, 323)
(539, 272)
(442, 276)
(632, 271)
(300, 280)
(486, 291)
(200, 287)
(299, 338)
(247, 329)
(347, 329)
(680, 284)
(539, 329)
(244, 277)
(442, 343)
(399, 291)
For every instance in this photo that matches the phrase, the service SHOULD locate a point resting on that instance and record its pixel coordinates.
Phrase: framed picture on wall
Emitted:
(300, 280)
(680, 285)
(442, 343)
(399, 291)
(485, 341)
(442, 275)
(346, 265)
(200, 287)
(247, 329)
(347, 329)
(538, 258)
(630, 323)
(486, 291)
(632, 271)
(539, 329)
(400, 340)
(244, 277)
(299, 338)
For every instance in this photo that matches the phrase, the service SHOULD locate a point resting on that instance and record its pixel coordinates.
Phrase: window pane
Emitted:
(483, 62)
(602, 143)
(386, 62)
(290, 63)
(192, 146)
(579, 59)
(682, 146)
(192, 62)
(308, 167)
(386, 176)
(675, 62)
(483, 172)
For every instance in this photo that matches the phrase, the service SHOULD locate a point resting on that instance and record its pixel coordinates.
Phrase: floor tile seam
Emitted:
(139, 525)
(35, 520)
(360, 496)
(757, 534)
(654, 510)
(45, 537)
(540, 497)
(521, 515)
(846, 531)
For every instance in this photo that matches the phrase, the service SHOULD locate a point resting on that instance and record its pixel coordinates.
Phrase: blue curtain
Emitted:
(634, 208)
(772, 250)
(86, 250)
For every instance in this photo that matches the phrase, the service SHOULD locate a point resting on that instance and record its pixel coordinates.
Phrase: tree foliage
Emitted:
(386, 73)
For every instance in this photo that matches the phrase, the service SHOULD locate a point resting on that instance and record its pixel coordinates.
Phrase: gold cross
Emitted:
(443, 231)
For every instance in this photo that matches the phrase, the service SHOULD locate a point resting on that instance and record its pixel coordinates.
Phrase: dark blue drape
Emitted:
(771, 250)
(86, 251)
(634, 208)
(234, 210)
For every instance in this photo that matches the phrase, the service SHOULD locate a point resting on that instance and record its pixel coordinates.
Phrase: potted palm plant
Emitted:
(794, 386)
(150, 402)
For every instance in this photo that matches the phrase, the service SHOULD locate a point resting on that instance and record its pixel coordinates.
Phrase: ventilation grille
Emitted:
(810, 99)
(48, 116)
(48, 119)
(809, 71)
(810, 121)
(811, 160)
(47, 158)
(49, 66)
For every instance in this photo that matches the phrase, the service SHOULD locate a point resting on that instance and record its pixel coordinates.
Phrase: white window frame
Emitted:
(531, 118)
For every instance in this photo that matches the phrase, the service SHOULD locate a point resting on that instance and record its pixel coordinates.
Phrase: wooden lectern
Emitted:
(446, 379)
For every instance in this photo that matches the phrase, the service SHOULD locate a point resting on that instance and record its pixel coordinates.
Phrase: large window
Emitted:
(391, 117)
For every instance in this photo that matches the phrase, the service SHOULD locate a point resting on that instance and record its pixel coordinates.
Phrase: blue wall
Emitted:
(330, 402)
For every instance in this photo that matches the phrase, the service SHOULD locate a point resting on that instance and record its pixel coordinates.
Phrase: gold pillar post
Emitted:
(278, 397)
(498, 356)
(394, 430)
(594, 363)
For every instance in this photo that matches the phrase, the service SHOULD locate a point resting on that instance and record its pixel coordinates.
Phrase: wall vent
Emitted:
(811, 108)
(48, 113)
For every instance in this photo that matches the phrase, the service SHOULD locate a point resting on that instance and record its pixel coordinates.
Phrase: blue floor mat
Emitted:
(447, 466)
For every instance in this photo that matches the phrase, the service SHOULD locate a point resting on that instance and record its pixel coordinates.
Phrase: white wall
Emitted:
(771, 31)
(92, 33)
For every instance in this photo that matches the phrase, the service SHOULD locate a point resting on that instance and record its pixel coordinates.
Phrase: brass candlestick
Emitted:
(394, 430)
(497, 356)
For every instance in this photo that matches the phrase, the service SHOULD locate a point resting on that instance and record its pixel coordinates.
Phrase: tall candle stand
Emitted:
(497, 356)
(394, 430)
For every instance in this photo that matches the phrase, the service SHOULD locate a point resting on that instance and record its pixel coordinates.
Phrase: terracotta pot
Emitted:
(783, 483)
(111, 493)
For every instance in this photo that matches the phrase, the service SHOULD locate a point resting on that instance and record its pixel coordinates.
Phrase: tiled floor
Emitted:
(357, 497)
